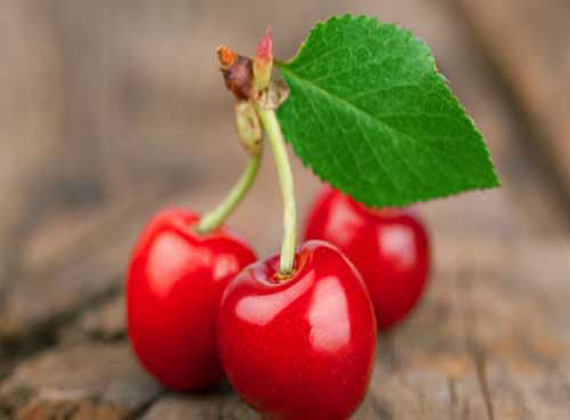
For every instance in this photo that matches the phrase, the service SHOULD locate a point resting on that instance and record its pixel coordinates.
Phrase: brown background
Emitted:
(110, 110)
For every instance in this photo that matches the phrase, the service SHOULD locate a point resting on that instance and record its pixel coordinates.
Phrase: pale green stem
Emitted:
(275, 136)
(217, 216)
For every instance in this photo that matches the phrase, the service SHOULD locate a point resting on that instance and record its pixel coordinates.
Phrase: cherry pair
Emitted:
(286, 343)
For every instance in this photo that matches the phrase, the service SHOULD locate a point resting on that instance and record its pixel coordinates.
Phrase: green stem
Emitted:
(218, 215)
(273, 130)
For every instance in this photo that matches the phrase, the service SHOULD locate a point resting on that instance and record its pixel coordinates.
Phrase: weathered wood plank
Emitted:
(528, 41)
(218, 405)
(103, 381)
(104, 323)
(226, 405)
(29, 110)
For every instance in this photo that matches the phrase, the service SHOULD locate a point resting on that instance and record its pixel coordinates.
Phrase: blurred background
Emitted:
(111, 110)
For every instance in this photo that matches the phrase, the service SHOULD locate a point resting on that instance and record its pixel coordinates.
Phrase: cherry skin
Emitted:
(175, 282)
(301, 347)
(390, 248)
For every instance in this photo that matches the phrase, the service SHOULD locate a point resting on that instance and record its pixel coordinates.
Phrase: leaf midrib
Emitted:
(359, 111)
(350, 105)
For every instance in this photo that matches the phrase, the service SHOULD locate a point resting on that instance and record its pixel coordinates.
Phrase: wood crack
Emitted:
(480, 361)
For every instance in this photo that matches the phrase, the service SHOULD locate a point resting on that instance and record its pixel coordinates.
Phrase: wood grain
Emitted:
(528, 41)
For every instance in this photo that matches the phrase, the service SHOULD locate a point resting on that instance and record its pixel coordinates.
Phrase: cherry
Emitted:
(175, 282)
(302, 346)
(389, 247)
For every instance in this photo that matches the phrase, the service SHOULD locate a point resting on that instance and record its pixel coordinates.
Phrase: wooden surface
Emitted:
(112, 110)
(529, 44)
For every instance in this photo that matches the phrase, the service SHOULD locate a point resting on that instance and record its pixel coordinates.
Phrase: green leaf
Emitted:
(369, 113)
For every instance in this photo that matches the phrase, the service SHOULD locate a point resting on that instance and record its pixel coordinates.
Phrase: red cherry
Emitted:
(301, 347)
(390, 248)
(175, 282)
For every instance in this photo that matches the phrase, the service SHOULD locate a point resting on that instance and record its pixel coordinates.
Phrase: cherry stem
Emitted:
(219, 214)
(275, 136)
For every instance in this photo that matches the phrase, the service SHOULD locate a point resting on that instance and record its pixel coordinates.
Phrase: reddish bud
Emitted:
(263, 64)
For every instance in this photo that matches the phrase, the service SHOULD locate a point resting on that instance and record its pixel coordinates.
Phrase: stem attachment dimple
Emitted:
(275, 136)
(216, 217)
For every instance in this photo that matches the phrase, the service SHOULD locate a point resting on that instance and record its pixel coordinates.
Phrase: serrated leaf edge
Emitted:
(282, 65)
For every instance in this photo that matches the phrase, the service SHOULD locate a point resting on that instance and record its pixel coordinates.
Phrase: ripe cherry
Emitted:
(390, 248)
(303, 346)
(175, 282)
